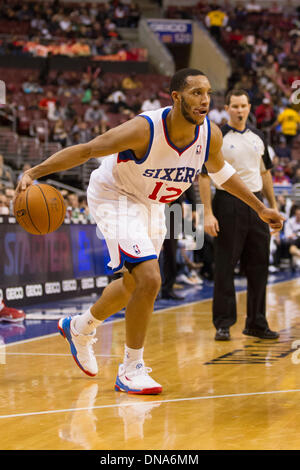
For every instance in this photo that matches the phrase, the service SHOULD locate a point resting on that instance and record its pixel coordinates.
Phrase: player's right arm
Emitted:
(133, 134)
(234, 185)
(211, 225)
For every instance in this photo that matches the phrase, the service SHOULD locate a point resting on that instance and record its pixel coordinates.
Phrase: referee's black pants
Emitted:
(169, 265)
(243, 236)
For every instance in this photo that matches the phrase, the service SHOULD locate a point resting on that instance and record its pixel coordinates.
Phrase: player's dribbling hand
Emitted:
(273, 218)
(24, 182)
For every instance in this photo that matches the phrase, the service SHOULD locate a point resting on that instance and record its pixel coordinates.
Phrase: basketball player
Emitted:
(152, 159)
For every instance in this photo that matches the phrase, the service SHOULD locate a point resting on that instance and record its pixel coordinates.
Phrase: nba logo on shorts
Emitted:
(198, 149)
(136, 249)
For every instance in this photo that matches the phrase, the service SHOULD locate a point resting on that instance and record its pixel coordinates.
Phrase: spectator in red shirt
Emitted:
(44, 103)
(279, 178)
(236, 36)
(265, 115)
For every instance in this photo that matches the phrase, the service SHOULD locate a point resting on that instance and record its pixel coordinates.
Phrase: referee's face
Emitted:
(238, 110)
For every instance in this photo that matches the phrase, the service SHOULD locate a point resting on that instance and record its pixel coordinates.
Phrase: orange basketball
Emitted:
(40, 209)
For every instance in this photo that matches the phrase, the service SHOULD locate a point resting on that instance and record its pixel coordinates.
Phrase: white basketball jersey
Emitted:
(164, 172)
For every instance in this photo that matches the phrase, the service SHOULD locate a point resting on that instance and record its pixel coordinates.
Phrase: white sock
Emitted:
(86, 323)
(131, 355)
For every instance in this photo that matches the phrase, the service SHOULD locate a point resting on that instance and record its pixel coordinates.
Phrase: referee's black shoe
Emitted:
(262, 334)
(222, 334)
(170, 294)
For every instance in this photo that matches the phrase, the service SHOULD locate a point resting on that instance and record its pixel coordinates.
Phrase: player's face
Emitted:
(238, 109)
(194, 100)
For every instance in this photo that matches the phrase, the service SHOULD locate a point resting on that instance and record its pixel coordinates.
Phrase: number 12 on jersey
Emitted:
(174, 193)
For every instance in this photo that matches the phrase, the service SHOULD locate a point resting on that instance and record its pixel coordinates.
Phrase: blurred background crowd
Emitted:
(48, 109)
(43, 28)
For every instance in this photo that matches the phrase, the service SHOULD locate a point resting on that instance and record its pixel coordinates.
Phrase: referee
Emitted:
(240, 235)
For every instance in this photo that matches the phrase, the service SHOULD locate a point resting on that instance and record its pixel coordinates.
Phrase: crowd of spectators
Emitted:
(263, 45)
(100, 100)
(45, 28)
(73, 107)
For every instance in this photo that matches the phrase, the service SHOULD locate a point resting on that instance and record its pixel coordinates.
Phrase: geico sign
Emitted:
(169, 27)
(87, 283)
(14, 293)
(69, 285)
(34, 290)
(101, 281)
(52, 288)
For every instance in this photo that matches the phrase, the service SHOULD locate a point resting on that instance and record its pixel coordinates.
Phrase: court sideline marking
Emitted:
(158, 402)
(162, 310)
(152, 402)
(171, 307)
(53, 354)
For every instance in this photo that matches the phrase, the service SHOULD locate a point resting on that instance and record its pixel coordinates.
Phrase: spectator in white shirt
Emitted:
(4, 209)
(117, 100)
(292, 236)
(292, 226)
(150, 104)
(218, 115)
(253, 7)
(95, 114)
(116, 97)
(65, 23)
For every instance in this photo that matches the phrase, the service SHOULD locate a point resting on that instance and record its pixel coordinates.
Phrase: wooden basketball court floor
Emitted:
(241, 394)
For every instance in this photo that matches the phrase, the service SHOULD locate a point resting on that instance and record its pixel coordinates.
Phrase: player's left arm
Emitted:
(224, 175)
(265, 169)
(133, 134)
(268, 190)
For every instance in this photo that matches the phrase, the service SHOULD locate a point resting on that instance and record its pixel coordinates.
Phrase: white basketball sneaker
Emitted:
(81, 346)
(135, 378)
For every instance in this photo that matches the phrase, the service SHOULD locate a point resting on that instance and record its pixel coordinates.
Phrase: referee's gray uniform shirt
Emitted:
(247, 152)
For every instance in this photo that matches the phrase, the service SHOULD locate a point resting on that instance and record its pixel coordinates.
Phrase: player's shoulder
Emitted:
(215, 130)
(133, 125)
(216, 138)
(154, 113)
(225, 129)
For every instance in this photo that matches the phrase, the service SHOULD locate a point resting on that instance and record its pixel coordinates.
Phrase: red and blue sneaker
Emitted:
(135, 379)
(81, 346)
(10, 314)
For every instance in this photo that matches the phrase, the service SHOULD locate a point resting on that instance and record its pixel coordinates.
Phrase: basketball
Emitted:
(40, 209)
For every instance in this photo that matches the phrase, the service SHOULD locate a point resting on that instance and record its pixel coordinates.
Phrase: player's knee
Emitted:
(129, 283)
(149, 283)
(147, 278)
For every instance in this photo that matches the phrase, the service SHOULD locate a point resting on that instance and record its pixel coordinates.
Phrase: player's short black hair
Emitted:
(178, 81)
(236, 92)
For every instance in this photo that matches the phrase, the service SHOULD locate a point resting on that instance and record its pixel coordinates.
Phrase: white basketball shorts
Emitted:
(132, 231)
